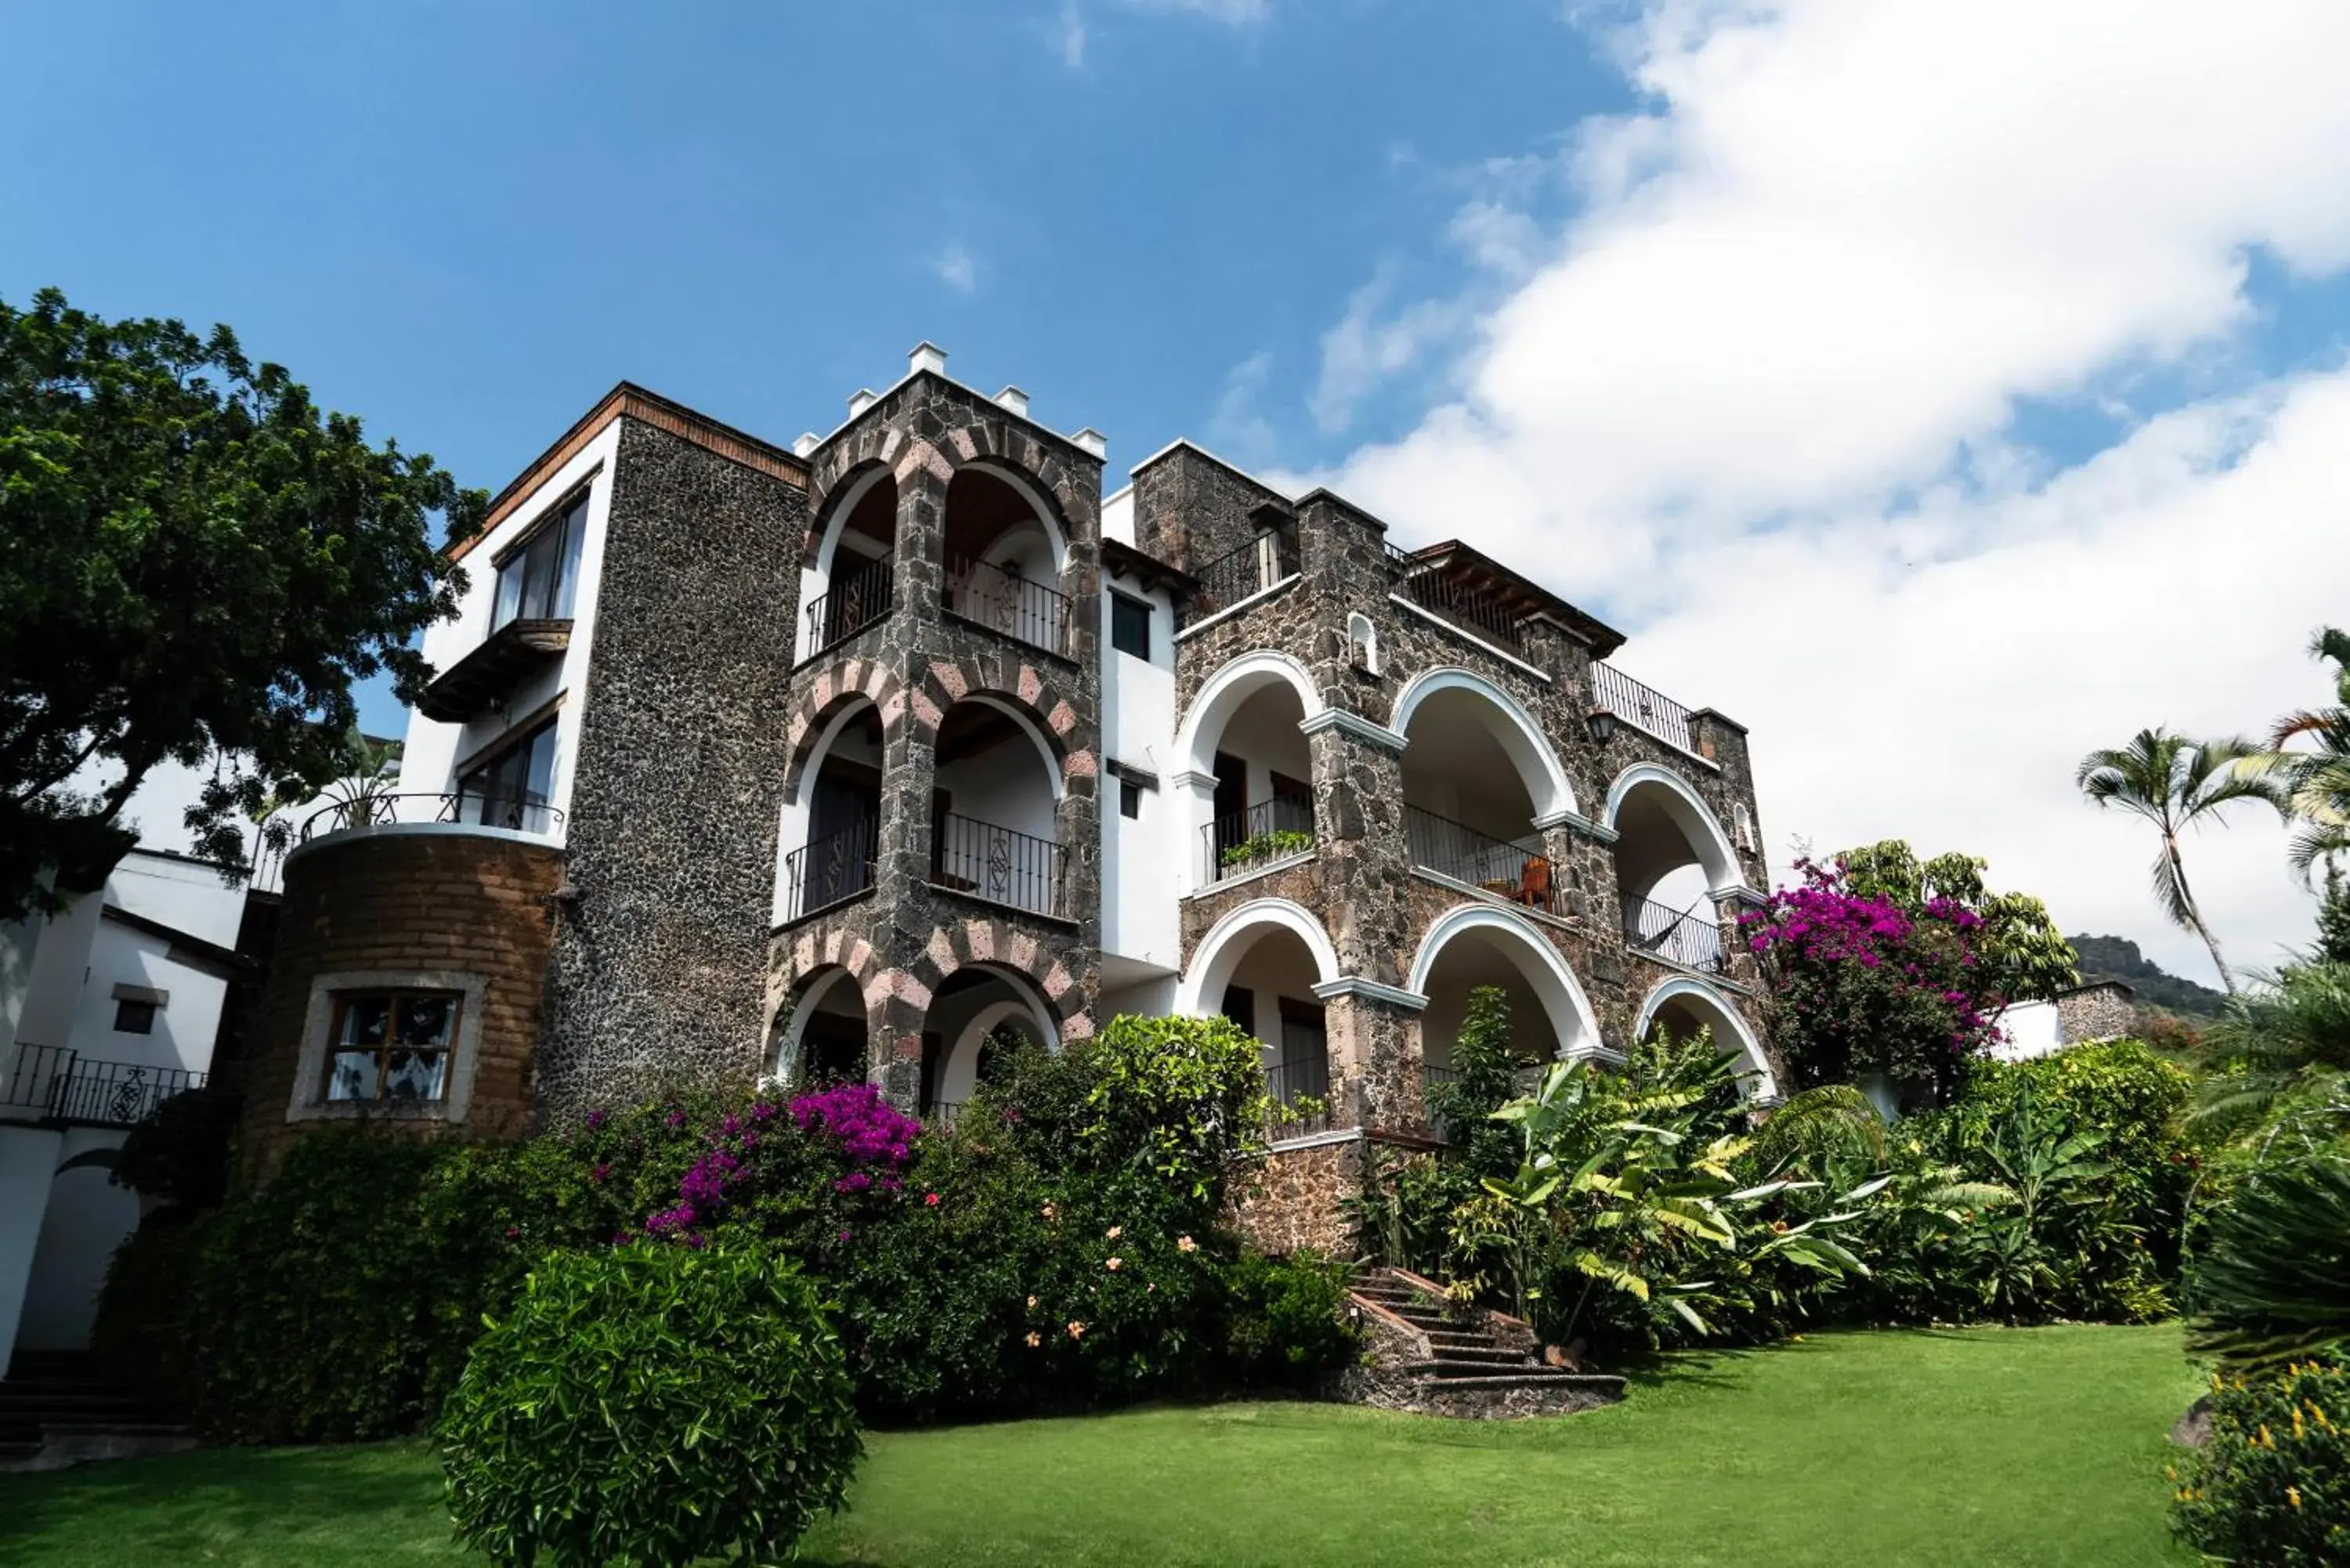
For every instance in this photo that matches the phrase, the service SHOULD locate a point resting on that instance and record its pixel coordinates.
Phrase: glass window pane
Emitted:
(351, 1076)
(415, 1074)
(509, 603)
(425, 1020)
(367, 1020)
(538, 773)
(574, 539)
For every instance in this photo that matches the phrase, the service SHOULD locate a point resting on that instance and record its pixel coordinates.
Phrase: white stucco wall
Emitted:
(435, 753)
(186, 1026)
(86, 1219)
(2033, 1029)
(1117, 516)
(28, 1158)
(1143, 858)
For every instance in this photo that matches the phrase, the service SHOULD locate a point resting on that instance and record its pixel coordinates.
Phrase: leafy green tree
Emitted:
(1485, 1078)
(2175, 782)
(2310, 782)
(2022, 955)
(195, 565)
(2334, 920)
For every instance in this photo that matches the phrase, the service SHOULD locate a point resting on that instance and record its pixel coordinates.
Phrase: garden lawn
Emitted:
(2040, 1447)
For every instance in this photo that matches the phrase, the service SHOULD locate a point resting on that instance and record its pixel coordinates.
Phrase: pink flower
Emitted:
(1114, 1264)
(931, 1198)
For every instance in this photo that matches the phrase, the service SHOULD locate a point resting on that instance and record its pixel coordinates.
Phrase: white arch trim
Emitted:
(1222, 694)
(1569, 1011)
(1691, 814)
(1019, 480)
(1201, 991)
(846, 503)
(785, 1055)
(1729, 1032)
(1529, 748)
(1028, 728)
(959, 1071)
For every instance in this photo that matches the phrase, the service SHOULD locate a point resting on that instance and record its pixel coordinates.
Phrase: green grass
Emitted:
(2040, 1447)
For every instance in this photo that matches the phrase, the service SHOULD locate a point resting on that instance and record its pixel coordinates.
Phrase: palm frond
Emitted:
(2274, 1278)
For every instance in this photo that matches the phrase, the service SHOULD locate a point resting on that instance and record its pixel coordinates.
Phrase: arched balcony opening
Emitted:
(1470, 776)
(1004, 558)
(852, 583)
(1259, 966)
(1672, 863)
(993, 804)
(1260, 807)
(831, 829)
(1474, 945)
(820, 1033)
(1683, 1008)
(973, 1016)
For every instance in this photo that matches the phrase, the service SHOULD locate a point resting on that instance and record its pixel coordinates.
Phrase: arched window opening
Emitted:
(852, 583)
(1262, 809)
(1682, 1008)
(1362, 643)
(1271, 995)
(1004, 561)
(820, 1035)
(1671, 861)
(972, 1016)
(833, 830)
(992, 827)
(1470, 960)
(1469, 809)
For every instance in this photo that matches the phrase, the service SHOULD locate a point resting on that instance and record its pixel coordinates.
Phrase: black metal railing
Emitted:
(1649, 708)
(1302, 1103)
(58, 1084)
(1684, 937)
(856, 598)
(1236, 574)
(1268, 831)
(1433, 1077)
(830, 870)
(1035, 612)
(1001, 865)
(522, 814)
(1471, 609)
(1506, 870)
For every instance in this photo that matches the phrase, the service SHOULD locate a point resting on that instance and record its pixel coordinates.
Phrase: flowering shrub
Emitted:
(2272, 1487)
(1861, 985)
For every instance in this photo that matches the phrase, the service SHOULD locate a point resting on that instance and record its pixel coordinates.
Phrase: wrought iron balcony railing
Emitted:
(1236, 574)
(517, 813)
(1035, 613)
(1446, 597)
(857, 598)
(1645, 706)
(1001, 865)
(1506, 870)
(58, 1086)
(1268, 831)
(830, 870)
(1684, 937)
(1302, 1102)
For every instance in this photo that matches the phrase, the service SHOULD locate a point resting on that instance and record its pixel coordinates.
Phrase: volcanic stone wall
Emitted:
(660, 947)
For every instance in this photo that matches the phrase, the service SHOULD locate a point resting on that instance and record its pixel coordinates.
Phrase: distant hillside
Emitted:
(2117, 957)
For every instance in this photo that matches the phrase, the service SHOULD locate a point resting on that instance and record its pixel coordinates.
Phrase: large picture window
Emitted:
(539, 579)
(511, 789)
(392, 1046)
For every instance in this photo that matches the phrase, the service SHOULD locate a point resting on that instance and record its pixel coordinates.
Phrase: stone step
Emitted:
(1531, 1379)
(1469, 1352)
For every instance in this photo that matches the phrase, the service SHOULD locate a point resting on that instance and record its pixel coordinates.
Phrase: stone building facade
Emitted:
(855, 753)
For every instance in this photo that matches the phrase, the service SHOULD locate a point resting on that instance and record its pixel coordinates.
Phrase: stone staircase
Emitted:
(1424, 1355)
(56, 1411)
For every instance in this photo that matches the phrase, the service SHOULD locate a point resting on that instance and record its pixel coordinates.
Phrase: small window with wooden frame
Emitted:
(391, 1047)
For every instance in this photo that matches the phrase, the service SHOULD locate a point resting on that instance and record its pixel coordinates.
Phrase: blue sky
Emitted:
(466, 221)
(1941, 391)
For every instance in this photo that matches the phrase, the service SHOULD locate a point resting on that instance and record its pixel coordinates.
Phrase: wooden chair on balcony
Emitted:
(1534, 884)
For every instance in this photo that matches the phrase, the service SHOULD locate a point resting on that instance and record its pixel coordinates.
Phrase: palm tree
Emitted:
(2172, 782)
(2312, 786)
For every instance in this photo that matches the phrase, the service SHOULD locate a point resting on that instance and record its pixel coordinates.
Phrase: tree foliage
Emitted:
(196, 564)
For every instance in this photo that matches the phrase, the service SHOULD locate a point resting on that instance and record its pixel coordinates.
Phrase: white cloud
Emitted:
(1756, 401)
(1237, 427)
(957, 267)
(1068, 33)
